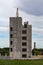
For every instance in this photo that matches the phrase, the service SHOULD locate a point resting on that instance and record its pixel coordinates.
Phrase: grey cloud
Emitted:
(37, 24)
(33, 7)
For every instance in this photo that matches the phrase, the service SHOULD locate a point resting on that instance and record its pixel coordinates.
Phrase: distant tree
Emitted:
(37, 52)
(4, 51)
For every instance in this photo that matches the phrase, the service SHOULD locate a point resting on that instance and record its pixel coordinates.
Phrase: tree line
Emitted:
(36, 51)
(4, 51)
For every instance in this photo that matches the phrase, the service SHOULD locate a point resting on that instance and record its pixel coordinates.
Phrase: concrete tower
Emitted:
(20, 38)
(34, 45)
(17, 13)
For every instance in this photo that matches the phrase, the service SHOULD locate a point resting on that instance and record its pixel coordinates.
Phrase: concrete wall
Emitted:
(29, 39)
(16, 24)
(15, 55)
(4, 57)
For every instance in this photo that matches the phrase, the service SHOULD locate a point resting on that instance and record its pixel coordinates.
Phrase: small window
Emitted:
(24, 31)
(11, 35)
(24, 44)
(24, 38)
(24, 50)
(25, 25)
(11, 42)
(11, 28)
(11, 49)
(24, 55)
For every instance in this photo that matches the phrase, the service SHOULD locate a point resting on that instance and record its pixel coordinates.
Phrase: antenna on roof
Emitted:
(17, 14)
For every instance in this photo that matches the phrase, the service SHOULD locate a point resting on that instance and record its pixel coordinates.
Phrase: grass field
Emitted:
(21, 62)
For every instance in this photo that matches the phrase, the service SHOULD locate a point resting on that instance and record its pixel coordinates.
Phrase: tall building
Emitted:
(20, 38)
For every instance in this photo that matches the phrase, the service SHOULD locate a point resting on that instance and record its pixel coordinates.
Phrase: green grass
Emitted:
(21, 62)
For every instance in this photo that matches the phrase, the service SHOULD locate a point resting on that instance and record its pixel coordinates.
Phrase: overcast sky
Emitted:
(31, 10)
